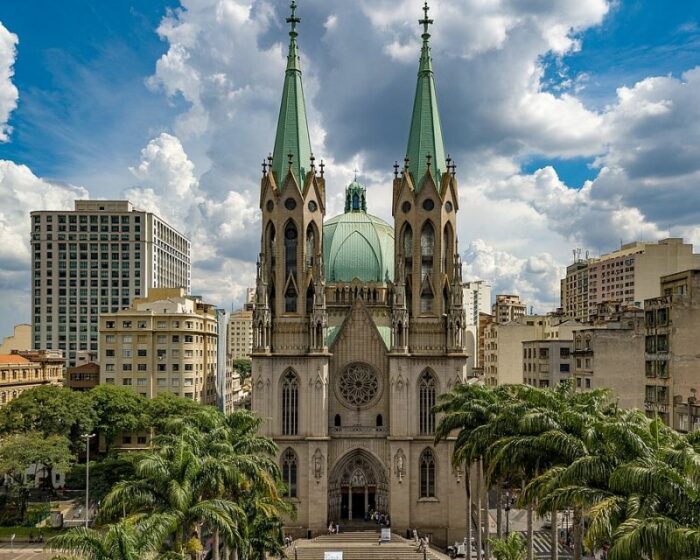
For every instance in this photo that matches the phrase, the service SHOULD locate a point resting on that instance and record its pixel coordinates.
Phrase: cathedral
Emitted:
(359, 326)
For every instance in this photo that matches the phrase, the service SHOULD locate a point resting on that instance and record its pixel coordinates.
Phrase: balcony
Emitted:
(372, 431)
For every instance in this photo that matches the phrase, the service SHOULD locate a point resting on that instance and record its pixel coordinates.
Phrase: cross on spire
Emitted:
(356, 171)
(426, 21)
(293, 19)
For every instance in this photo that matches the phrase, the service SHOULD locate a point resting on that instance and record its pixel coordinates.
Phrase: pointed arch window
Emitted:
(290, 267)
(427, 473)
(427, 250)
(447, 249)
(290, 404)
(289, 473)
(270, 245)
(310, 246)
(310, 298)
(426, 402)
(271, 298)
(408, 250)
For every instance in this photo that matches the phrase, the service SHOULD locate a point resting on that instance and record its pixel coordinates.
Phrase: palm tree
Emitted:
(510, 548)
(129, 539)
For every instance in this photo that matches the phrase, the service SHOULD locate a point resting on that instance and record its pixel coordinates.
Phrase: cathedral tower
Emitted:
(425, 204)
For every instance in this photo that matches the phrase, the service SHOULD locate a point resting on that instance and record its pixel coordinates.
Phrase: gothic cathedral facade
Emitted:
(359, 326)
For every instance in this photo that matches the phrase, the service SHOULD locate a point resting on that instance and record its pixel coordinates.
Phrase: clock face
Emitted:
(448, 206)
(290, 204)
(406, 207)
(270, 205)
(428, 204)
(313, 206)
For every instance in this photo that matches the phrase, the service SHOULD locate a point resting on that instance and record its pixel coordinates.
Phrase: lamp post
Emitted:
(87, 437)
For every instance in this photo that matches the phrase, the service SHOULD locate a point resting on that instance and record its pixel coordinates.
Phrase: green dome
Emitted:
(357, 244)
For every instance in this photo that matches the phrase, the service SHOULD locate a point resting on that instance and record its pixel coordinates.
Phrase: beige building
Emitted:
(546, 363)
(20, 371)
(503, 343)
(21, 339)
(240, 334)
(164, 342)
(508, 308)
(93, 260)
(355, 335)
(671, 366)
(628, 276)
(610, 354)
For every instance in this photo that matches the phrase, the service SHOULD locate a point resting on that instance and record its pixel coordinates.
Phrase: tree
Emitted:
(118, 410)
(137, 538)
(104, 474)
(243, 366)
(18, 452)
(510, 548)
(166, 406)
(50, 410)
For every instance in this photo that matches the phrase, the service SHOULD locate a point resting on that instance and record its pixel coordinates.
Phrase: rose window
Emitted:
(358, 385)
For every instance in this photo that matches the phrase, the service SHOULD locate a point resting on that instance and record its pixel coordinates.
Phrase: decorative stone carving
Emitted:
(317, 465)
(358, 385)
(400, 465)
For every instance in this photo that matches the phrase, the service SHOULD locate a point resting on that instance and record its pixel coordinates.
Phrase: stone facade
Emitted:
(350, 355)
(22, 370)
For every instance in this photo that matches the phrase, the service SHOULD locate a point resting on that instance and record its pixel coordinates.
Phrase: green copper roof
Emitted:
(357, 244)
(425, 138)
(292, 129)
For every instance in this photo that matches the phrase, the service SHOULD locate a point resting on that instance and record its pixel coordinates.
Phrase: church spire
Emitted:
(292, 142)
(425, 145)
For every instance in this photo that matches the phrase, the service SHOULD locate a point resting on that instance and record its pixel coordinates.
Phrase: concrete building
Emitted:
(672, 368)
(477, 299)
(165, 342)
(503, 343)
(610, 354)
(546, 363)
(96, 259)
(24, 370)
(359, 326)
(508, 308)
(240, 334)
(629, 275)
(84, 377)
(21, 339)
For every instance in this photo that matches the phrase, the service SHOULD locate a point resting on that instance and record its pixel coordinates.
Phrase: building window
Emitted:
(290, 404)
(426, 396)
(427, 474)
(289, 473)
(337, 421)
(427, 249)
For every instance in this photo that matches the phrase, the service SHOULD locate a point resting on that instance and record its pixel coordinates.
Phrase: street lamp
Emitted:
(87, 437)
(507, 508)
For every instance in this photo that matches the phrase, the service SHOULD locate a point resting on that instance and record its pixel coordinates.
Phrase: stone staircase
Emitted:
(358, 545)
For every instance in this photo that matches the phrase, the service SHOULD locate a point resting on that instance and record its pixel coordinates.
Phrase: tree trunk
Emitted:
(235, 554)
(555, 536)
(226, 554)
(468, 490)
(530, 549)
(578, 532)
(479, 524)
(487, 517)
(499, 509)
(215, 546)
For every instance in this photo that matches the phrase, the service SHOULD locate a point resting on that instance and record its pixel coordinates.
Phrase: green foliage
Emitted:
(21, 450)
(117, 409)
(166, 406)
(104, 474)
(51, 411)
(243, 366)
(510, 548)
(635, 481)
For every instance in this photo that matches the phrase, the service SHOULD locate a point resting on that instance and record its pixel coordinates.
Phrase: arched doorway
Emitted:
(357, 485)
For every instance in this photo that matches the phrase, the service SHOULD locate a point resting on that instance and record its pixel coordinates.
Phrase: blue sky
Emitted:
(530, 101)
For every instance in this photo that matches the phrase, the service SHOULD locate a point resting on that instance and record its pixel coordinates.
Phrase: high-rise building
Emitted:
(508, 308)
(96, 259)
(356, 335)
(240, 334)
(547, 362)
(628, 276)
(165, 342)
(477, 299)
(672, 323)
(24, 370)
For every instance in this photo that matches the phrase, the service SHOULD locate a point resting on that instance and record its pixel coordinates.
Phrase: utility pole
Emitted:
(87, 437)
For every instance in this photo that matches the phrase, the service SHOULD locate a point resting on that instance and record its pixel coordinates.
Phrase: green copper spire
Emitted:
(292, 142)
(425, 145)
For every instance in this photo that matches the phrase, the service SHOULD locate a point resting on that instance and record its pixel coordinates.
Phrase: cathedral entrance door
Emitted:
(357, 485)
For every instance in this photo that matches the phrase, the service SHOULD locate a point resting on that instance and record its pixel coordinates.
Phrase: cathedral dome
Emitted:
(357, 244)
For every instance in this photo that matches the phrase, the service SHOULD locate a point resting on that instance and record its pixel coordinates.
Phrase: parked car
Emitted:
(459, 550)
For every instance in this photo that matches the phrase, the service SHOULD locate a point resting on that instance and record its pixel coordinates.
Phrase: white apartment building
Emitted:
(477, 299)
(96, 259)
(508, 307)
(629, 275)
(165, 342)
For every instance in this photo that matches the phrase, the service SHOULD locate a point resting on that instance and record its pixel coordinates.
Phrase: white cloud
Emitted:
(8, 91)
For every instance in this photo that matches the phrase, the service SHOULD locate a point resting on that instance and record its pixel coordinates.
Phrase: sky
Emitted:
(573, 123)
